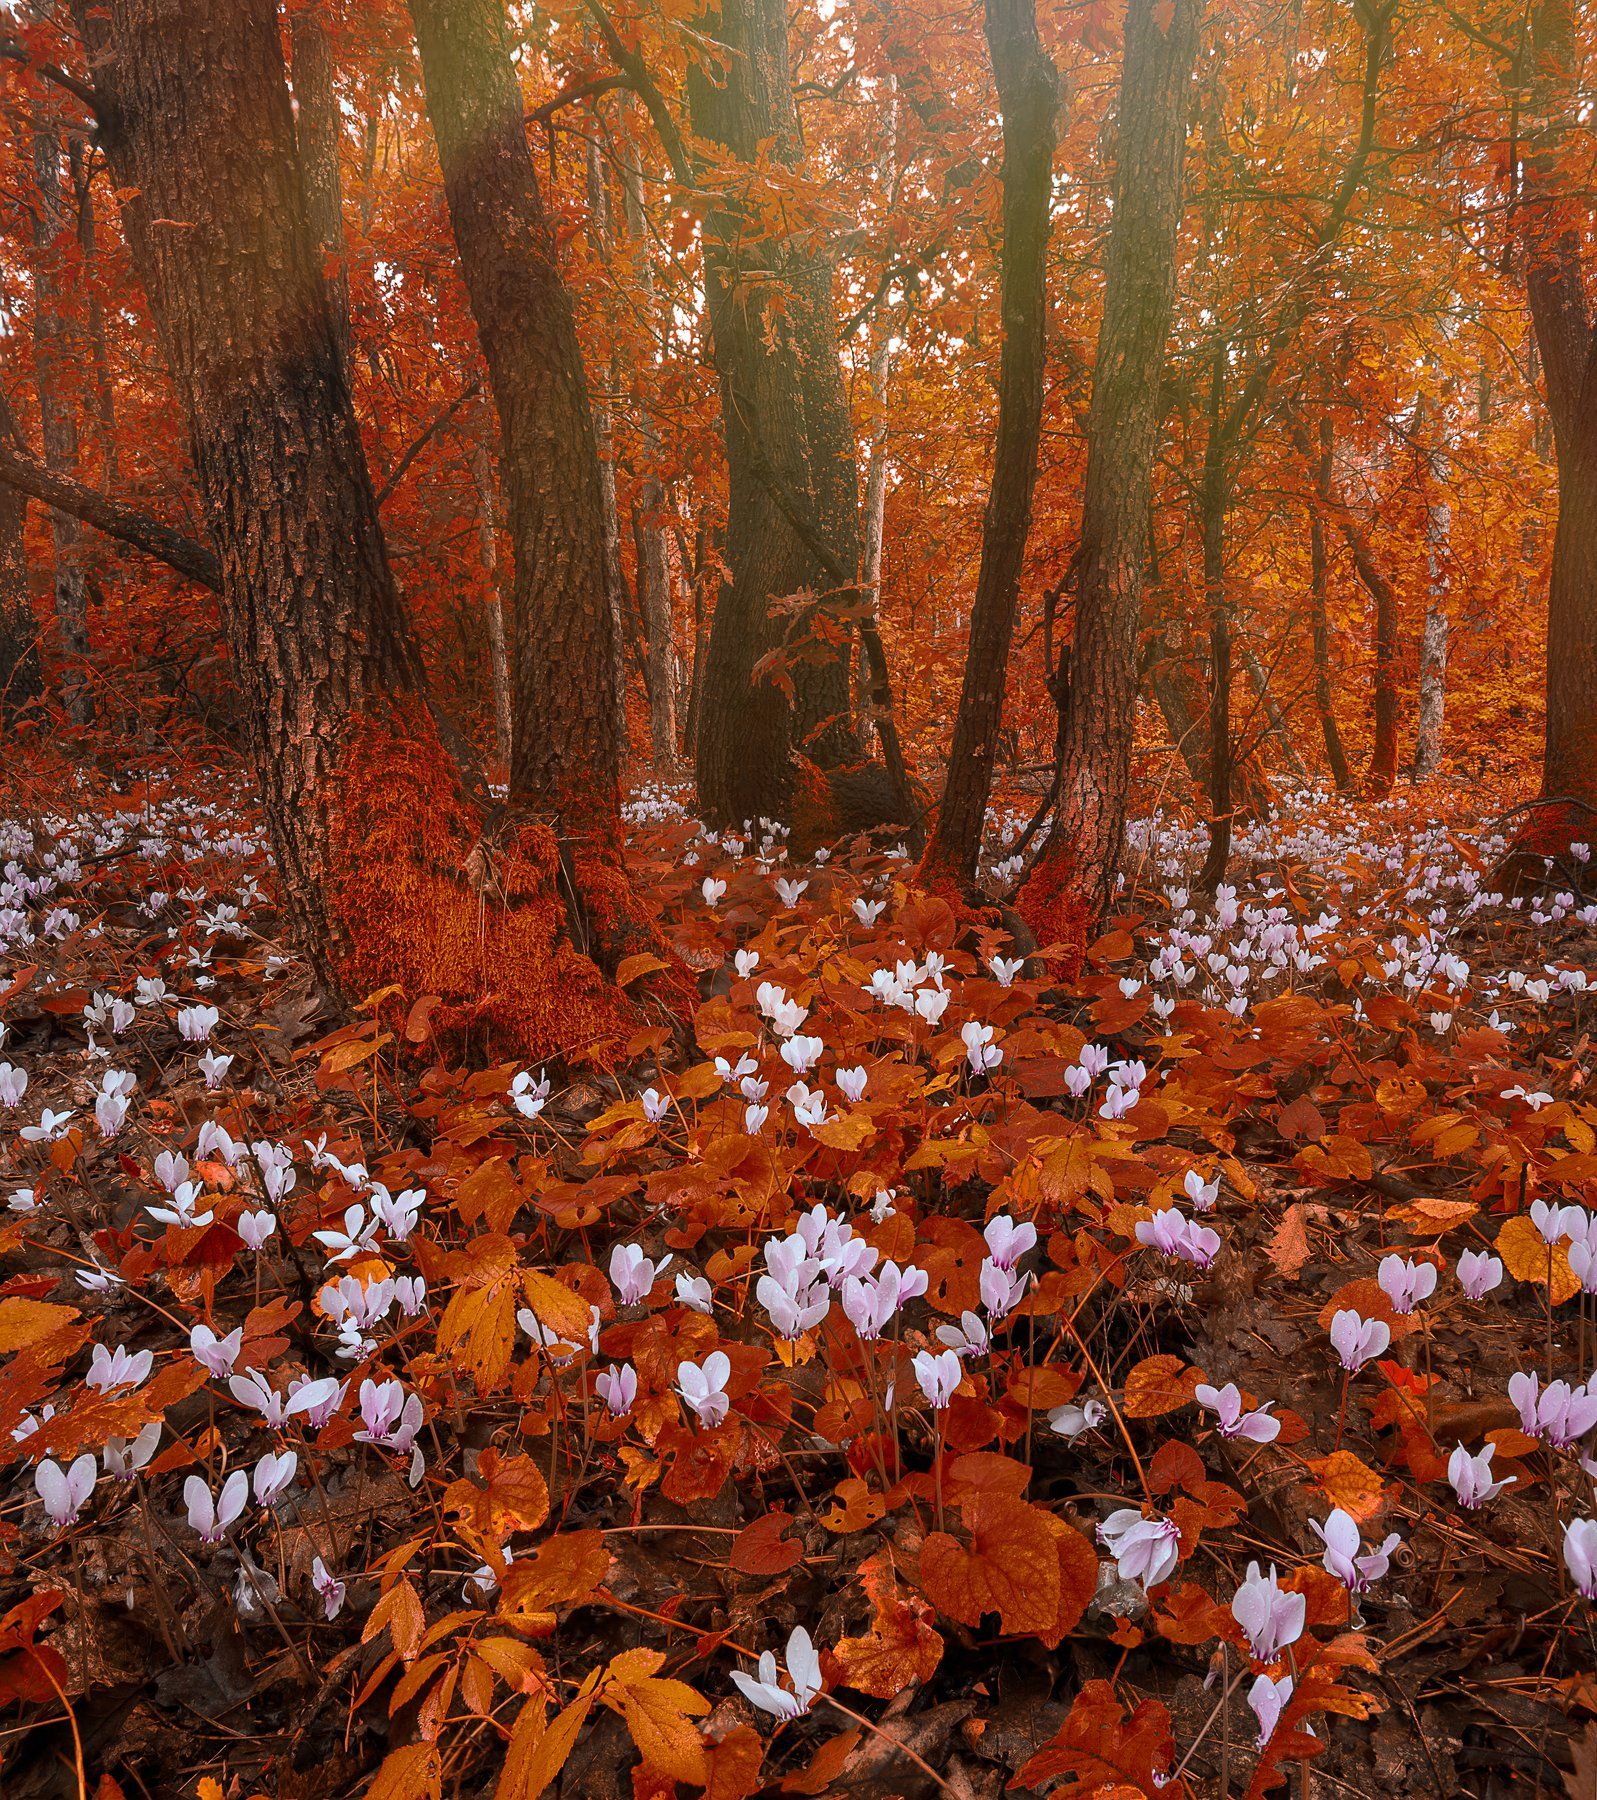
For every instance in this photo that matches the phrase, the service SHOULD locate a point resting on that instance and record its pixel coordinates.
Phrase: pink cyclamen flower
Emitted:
(1201, 1193)
(1268, 1697)
(1580, 1555)
(767, 1693)
(938, 1376)
(65, 1492)
(1357, 1340)
(1173, 1234)
(1255, 1427)
(872, 1301)
(1007, 1242)
(1002, 1290)
(1145, 1550)
(390, 1418)
(109, 1369)
(274, 1475)
(1406, 1283)
(211, 1515)
(632, 1273)
(1340, 1535)
(215, 1355)
(1559, 1414)
(1270, 1617)
(703, 1387)
(1478, 1273)
(1471, 1476)
(329, 1590)
(617, 1388)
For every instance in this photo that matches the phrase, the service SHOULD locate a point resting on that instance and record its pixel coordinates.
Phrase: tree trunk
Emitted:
(498, 651)
(1559, 282)
(1214, 505)
(1275, 719)
(382, 863)
(776, 667)
(1075, 877)
(654, 556)
(19, 634)
(318, 125)
(1383, 749)
(1028, 96)
(54, 359)
(1433, 641)
(1319, 595)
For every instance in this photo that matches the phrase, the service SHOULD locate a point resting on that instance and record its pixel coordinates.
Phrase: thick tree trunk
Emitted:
(54, 360)
(776, 668)
(382, 863)
(1075, 877)
(1433, 641)
(1559, 282)
(1028, 95)
(318, 125)
(498, 650)
(1319, 597)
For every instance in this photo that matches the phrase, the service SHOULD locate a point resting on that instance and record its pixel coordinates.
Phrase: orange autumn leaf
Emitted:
(902, 1648)
(1158, 1385)
(1349, 1483)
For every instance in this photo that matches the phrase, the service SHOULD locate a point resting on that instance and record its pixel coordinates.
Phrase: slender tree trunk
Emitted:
(498, 651)
(1214, 505)
(654, 557)
(94, 315)
(775, 677)
(1383, 749)
(1075, 877)
(20, 679)
(1028, 95)
(1275, 719)
(1319, 597)
(383, 865)
(1433, 641)
(54, 360)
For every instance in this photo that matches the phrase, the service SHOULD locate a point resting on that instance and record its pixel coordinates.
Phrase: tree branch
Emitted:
(13, 50)
(428, 433)
(632, 65)
(113, 517)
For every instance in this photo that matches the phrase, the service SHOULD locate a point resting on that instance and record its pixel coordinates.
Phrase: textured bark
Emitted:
(1383, 748)
(1559, 281)
(1028, 95)
(197, 127)
(318, 127)
(498, 647)
(94, 315)
(793, 544)
(20, 679)
(1076, 874)
(1319, 595)
(54, 359)
(654, 556)
(565, 758)
(1433, 640)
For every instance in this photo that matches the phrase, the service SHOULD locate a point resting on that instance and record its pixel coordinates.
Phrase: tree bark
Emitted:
(1383, 749)
(498, 648)
(20, 677)
(1433, 641)
(775, 678)
(319, 129)
(1214, 506)
(1075, 876)
(566, 757)
(1319, 596)
(1559, 282)
(387, 870)
(54, 358)
(1028, 96)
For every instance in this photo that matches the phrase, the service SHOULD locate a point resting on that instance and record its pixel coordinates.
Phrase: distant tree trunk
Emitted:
(1554, 217)
(1383, 749)
(1075, 877)
(488, 554)
(1275, 719)
(1319, 596)
(1214, 505)
(382, 862)
(793, 499)
(1028, 96)
(1433, 642)
(318, 126)
(654, 556)
(20, 679)
(54, 360)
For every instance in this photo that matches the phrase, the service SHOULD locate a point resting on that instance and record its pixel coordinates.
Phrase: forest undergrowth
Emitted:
(905, 1376)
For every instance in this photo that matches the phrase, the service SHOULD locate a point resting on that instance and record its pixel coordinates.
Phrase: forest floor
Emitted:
(651, 1411)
